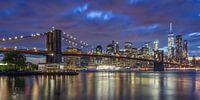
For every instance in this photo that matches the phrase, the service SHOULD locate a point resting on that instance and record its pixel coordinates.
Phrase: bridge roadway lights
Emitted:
(54, 46)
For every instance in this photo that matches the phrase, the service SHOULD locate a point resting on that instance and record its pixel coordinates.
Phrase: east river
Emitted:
(103, 86)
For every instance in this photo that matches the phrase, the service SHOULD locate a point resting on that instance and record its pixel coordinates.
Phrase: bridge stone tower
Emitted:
(158, 60)
(54, 47)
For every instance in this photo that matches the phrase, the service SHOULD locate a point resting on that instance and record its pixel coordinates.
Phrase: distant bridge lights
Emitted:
(3, 39)
(15, 48)
(53, 27)
(35, 49)
(73, 41)
(37, 34)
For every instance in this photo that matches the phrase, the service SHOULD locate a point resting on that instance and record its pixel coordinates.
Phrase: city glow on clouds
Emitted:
(81, 8)
(144, 29)
(154, 26)
(196, 51)
(102, 21)
(137, 1)
(5, 12)
(195, 34)
(101, 15)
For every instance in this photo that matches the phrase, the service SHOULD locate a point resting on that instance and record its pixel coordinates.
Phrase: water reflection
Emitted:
(103, 86)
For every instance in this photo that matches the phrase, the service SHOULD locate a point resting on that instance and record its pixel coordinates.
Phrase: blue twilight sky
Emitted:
(101, 21)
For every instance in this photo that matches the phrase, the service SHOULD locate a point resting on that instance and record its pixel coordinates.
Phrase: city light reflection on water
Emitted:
(103, 86)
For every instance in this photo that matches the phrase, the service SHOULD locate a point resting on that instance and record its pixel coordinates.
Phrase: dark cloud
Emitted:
(100, 21)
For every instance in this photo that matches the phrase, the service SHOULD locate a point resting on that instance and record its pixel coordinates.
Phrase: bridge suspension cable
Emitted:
(21, 37)
(71, 40)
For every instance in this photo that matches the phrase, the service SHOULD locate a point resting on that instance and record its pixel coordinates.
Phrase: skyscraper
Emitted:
(170, 44)
(99, 49)
(128, 46)
(147, 45)
(115, 46)
(179, 48)
(112, 48)
(109, 49)
(185, 52)
(155, 44)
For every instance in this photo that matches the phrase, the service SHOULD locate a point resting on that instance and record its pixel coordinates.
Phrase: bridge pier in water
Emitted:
(53, 45)
(158, 60)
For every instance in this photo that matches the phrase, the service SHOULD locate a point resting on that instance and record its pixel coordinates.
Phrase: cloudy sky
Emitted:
(101, 21)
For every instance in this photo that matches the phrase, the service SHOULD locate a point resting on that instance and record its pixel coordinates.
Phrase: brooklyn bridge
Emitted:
(54, 52)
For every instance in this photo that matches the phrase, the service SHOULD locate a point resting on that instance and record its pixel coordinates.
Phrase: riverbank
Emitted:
(28, 73)
(129, 71)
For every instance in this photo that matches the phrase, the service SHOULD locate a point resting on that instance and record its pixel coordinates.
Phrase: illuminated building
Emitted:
(147, 45)
(134, 51)
(179, 48)
(170, 44)
(193, 62)
(128, 46)
(185, 52)
(115, 47)
(72, 62)
(99, 49)
(112, 48)
(109, 49)
(144, 51)
(155, 44)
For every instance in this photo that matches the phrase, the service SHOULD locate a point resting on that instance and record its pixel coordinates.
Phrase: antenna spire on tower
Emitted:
(170, 27)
